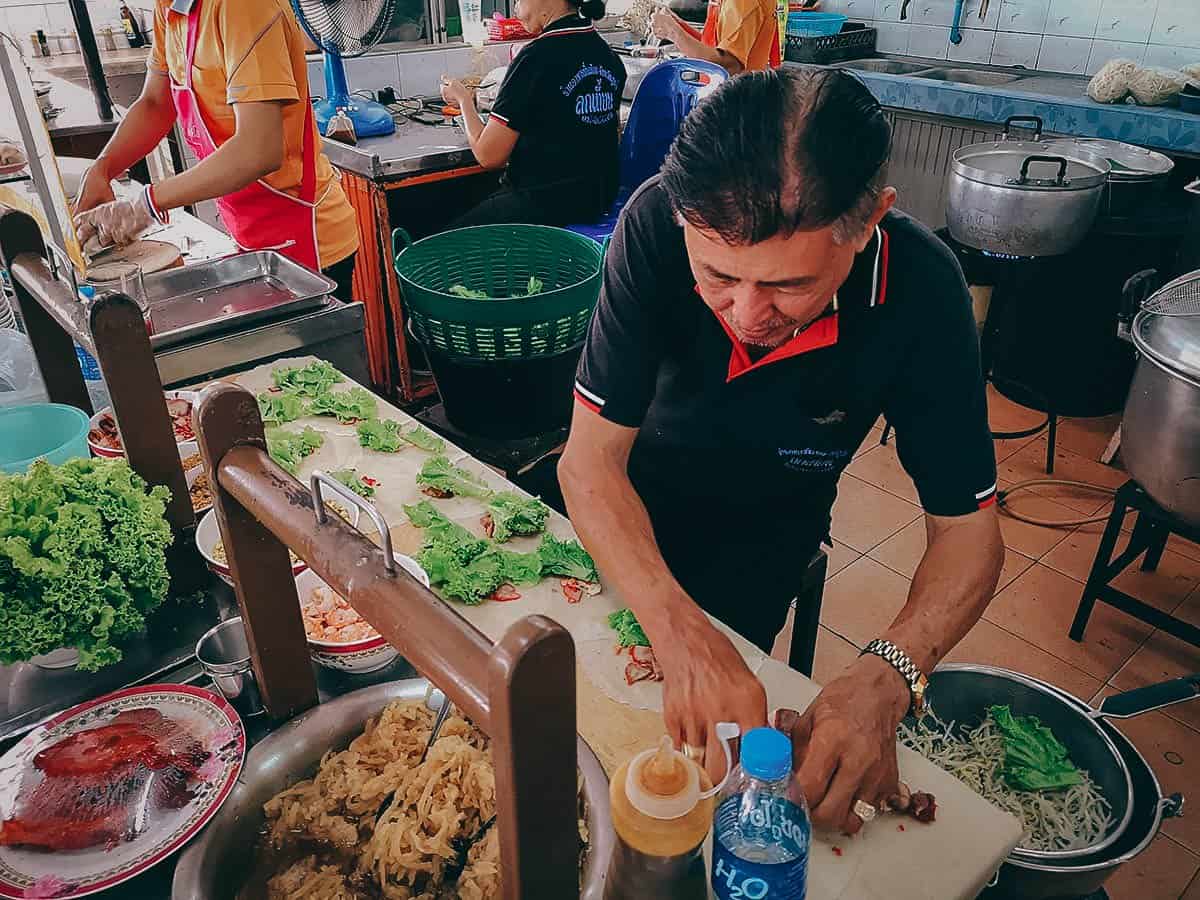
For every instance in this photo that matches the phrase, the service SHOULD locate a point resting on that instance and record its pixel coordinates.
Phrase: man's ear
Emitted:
(887, 199)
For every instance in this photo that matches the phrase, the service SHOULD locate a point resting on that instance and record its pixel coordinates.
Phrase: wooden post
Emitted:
(127, 364)
(227, 417)
(53, 347)
(531, 677)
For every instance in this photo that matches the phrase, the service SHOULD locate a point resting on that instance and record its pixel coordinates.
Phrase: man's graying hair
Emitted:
(773, 153)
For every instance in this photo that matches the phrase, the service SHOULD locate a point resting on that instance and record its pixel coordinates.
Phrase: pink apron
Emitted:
(258, 216)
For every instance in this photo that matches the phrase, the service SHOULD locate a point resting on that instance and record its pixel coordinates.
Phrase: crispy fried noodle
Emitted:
(1054, 820)
(327, 838)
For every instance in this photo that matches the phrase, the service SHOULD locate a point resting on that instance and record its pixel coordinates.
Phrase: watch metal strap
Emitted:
(898, 660)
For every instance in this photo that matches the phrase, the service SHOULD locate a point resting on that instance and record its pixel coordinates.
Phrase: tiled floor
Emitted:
(879, 538)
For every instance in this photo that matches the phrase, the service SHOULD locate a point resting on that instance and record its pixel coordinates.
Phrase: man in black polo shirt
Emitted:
(762, 306)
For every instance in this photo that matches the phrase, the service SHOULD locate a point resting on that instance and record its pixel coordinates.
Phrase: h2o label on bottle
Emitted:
(774, 822)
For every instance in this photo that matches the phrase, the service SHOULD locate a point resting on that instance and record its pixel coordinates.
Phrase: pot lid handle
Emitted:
(1060, 179)
(1156, 696)
(1138, 287)
(1034, 120)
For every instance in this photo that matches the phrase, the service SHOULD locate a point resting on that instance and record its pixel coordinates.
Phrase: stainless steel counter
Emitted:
(413, 149)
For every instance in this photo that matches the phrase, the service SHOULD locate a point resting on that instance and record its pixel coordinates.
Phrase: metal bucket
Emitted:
(215, 866)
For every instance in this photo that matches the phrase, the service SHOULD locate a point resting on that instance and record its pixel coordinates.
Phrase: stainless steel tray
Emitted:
(227, 294)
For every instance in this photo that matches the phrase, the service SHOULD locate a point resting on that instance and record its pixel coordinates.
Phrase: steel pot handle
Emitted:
(1172, 806)
(1037, 125)
(319, 478)
(1156, 696)
(1059, 179)
(1138, 287)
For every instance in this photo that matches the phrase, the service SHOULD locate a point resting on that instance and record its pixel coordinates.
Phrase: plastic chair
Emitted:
(668, 92)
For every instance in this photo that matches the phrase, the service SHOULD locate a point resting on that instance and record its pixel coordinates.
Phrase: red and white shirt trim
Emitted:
(986, 498)
(592, 401)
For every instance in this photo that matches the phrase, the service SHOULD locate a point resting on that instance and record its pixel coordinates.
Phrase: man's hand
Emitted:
(665, 25)
(706, 681)
(113, 224)
(95, 188)
(844, 745)
(456, 93)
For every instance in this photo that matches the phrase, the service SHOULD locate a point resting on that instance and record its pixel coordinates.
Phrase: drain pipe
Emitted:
(955, 31)
(91, 58)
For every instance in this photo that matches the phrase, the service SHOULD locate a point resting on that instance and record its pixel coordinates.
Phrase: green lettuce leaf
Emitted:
(1034, 759)
(461, 290)
(442, 475)
(567, 559)
(424, 439)
(288, 448)
(346, 406)
(443, 535)
(535, 286)
(628, 629)
(514, 515)
(363, 485)
(279, 407)
(382, 435)
(308, 381)
(82, 559)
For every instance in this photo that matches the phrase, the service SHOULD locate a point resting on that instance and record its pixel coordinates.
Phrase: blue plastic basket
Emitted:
(814, 24)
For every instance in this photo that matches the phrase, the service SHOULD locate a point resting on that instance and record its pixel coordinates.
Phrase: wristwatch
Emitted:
(909, 671)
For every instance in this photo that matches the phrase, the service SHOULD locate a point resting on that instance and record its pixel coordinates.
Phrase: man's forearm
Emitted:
(613, 524)
(146, 123)
(951, 589)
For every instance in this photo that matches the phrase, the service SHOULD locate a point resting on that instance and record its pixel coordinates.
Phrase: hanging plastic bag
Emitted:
(20, 380)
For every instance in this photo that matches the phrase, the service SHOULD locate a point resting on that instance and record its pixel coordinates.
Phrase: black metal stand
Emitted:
(1150, 533)
(91, 58)
(806, 616)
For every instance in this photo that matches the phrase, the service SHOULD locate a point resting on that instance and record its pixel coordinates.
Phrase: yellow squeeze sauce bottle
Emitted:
(661, 821)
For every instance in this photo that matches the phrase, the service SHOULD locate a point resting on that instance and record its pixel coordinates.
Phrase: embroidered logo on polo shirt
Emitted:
(837, 417)
(812, 460)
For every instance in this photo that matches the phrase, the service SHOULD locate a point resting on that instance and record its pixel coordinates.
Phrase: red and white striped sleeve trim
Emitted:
(499, 118)
(592, 401)
(986, 498)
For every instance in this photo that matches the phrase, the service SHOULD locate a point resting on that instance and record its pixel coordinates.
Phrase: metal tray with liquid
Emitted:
(229, 293)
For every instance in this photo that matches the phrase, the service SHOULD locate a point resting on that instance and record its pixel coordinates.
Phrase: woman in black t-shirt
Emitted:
(555, 125)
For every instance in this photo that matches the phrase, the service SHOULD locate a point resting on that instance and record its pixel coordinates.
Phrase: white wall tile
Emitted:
(891, 37)
(1072, 18)
(971, 18)
(928, 41)
(1014, 49)
(931, 12)
(1177, 23)
(1023, 15)
(1103, 51)
(24, 21)
(888, 11)
(859, 10)
(1064, 54)
(370, 73)
(1127, 20)
(1171, 57)
(976, 46)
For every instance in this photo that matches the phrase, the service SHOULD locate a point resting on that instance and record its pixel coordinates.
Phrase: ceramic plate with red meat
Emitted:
(105, 440)
(109, 788)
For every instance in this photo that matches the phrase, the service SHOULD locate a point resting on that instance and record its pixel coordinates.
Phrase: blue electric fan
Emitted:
(343, 28)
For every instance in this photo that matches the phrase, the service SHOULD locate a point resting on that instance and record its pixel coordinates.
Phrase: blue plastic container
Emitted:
(51, 430)
(814, 24)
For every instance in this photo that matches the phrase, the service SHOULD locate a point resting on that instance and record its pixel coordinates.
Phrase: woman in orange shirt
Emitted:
(233, 74)
(741, 35)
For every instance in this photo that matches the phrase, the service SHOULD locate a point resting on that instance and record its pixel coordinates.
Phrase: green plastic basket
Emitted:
(499, 260)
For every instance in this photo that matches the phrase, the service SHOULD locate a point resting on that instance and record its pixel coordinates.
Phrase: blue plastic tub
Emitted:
(51, 430)
(814, 24)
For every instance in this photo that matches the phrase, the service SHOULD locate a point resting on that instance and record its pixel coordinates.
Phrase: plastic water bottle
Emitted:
(88, 364)
(761, 826)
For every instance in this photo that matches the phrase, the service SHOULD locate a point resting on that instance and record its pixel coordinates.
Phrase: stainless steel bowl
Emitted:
(215, 866)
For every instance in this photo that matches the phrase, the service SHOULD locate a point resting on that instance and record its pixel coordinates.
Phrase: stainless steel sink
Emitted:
(886, 66)
(968, 76)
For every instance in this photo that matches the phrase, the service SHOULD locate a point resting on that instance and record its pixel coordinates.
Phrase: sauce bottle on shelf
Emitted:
(662, 810)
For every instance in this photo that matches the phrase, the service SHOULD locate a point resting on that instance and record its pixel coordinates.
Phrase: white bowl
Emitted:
(108, 453)
(355, 657)
(208, 535)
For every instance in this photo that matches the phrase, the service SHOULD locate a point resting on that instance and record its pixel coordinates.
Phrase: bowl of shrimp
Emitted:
(338, 637)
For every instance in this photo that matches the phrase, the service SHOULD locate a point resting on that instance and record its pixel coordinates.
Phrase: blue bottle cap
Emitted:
(87, 291)
(766, 754)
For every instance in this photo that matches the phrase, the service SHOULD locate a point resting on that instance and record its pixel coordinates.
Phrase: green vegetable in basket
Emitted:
(382, 435)
(535, 286)
(363, 485)
(289, 448)
(423, 439)
(345, 406)
(1034, 759)
(461, 290)
(512, 515)
(82, 559)
(628, 628)
(278, 407)
(442, 477)
(567, 559)
(308, 381)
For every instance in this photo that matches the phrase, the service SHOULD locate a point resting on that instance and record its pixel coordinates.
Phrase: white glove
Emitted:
(114, 224)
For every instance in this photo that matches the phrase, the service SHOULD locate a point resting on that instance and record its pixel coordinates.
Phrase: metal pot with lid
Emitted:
(1021, 198)
(1137, 179)
(1160, 431)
